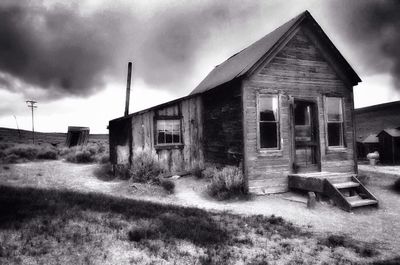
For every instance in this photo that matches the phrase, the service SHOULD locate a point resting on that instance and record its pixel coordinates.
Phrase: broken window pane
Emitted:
(168, 131)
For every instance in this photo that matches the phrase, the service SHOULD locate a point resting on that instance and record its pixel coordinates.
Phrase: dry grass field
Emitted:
(60, 213)
(14, 136)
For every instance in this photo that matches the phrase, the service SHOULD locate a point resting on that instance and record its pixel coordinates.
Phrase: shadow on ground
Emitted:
(19, 205)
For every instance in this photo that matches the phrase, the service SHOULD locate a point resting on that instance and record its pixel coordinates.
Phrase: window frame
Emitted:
(278, 122)
(327, 122)
(158, 145)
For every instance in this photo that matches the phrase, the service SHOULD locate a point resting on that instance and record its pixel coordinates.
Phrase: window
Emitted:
(168, 132)
(335, 125)
(268, 121)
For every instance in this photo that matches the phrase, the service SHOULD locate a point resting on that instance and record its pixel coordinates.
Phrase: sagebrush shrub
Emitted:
(85, 154)
(80, 156)
(26, 151)
(122, 171)
(14, 153)
(168, 185)
(104, 172)
(145, 166)
(48, 153)
(11, 158)
(209, 172)
(103, 158)
(226, 183)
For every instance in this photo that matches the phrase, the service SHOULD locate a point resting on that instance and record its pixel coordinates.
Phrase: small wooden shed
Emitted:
(369, 145)
(77, 136)
(389, 146)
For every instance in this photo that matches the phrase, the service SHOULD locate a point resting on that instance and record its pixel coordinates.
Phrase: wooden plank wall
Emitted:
(223, 127)
(119, 136)
(299, 70)
(179, 158)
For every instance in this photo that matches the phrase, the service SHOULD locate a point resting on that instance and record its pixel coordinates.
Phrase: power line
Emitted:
(31, 104)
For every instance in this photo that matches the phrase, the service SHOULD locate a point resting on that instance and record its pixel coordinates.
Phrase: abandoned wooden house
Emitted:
(77, 136)
(282, 109)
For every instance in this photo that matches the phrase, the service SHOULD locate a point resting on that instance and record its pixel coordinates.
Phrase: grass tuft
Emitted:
(142, 230)
(363, 249)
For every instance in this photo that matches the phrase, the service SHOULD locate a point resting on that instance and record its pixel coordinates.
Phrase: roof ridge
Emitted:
(304, 13)
(240, 61)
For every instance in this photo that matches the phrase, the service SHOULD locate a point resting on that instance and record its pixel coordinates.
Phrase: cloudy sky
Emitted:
(71, 56)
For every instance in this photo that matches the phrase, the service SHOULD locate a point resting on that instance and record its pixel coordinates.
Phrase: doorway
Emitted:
(74, 139)
(306, 136)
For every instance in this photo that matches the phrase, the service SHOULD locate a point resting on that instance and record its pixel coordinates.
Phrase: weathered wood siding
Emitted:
(299, 70)
(119, 140)
(176, 158)
(223, 128)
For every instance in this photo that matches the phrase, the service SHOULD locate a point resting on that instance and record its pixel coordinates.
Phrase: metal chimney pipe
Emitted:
(128, 89)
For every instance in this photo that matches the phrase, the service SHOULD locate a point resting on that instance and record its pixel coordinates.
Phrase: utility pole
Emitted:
(128, 89)
(31, 104)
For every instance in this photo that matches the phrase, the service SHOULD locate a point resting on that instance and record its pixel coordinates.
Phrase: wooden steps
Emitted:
(363, 202)
(345, 190)
(349, 194)
(345, 185)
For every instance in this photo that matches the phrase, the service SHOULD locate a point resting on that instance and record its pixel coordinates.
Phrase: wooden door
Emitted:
(306, 140)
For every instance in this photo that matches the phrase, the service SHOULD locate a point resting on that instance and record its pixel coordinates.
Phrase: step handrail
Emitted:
(336, 195)
(363, 189)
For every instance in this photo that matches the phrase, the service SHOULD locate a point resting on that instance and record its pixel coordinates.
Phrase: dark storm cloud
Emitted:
(372, 29)
(67, 51)
(56, 49)
(171, 49)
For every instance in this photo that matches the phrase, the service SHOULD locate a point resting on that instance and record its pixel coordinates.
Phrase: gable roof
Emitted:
(372, 138)
(240, 63)
(384, 106)
(391, 132)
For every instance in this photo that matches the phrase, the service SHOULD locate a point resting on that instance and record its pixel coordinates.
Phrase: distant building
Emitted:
(77, 136)
(374, 119)
(389, 146)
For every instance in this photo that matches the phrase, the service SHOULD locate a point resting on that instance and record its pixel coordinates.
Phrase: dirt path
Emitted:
(373, 225)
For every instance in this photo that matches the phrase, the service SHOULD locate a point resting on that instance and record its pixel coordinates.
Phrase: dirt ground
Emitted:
(380, 226)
